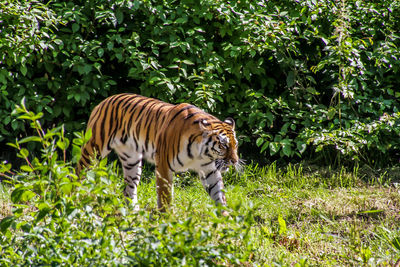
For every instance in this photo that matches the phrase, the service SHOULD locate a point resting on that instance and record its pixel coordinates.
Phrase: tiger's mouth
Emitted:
(222, 165)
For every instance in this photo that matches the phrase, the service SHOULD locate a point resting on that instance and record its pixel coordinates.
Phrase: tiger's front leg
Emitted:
(213, 184)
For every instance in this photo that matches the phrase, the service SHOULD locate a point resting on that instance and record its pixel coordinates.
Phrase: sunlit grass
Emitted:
(331, 217)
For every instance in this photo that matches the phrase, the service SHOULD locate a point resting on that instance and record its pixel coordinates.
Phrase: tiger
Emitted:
(175, 138)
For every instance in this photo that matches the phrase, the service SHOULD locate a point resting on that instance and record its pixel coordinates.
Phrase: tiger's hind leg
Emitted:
(164, 187)
(132, 167)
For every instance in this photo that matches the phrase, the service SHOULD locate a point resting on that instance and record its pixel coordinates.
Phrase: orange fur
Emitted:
(172, 136)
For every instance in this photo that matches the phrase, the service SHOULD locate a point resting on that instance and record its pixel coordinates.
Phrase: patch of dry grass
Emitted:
(348, 225)
(362, 202)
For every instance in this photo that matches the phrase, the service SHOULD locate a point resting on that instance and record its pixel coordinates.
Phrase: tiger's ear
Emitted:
(230, 121)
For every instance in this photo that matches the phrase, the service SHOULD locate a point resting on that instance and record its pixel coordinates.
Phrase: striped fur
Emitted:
(175, 138)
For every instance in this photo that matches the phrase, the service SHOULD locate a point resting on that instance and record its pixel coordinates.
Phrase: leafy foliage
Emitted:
(299, 77)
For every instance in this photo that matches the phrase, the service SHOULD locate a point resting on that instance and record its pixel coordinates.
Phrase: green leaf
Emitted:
(100, 52)
(259, 141)
(30, 139)
(274, 148)
(287, 150)
(187, 62)
(63, 144)
(31, 116)
(290, 79)
(6, 222)
(26, 168)
(23, 70)
(173, 66)
(87, 68)
(49, 135)
(284, 128)
(119, 16)
(76, 153)
(42, 213)
(22, 103)
(21, 194)
(112, 82)
(181, 20)
(301, 146)
(5, 167)
(265, 146)
(66, 186)
(77, 97)
(16, 145)
(103, 163)
(3, 77)
(88, 135)
(23, 153)
(75, 27)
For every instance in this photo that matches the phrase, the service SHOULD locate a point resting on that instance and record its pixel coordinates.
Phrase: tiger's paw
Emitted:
(135, 207)
(225, 213)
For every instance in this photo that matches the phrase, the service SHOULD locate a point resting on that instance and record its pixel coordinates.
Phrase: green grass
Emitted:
(331, 219)
(292, 216)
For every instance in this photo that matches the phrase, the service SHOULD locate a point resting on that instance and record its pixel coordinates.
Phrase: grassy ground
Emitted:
(294, 216)
(322, 218)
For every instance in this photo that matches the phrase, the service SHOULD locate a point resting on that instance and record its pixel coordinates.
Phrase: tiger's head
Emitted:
(220, 143)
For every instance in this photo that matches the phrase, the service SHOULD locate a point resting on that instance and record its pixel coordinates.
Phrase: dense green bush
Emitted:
(299, 77)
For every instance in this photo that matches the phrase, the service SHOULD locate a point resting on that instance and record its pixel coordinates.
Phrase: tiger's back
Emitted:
(125, 121)
(174, 137)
